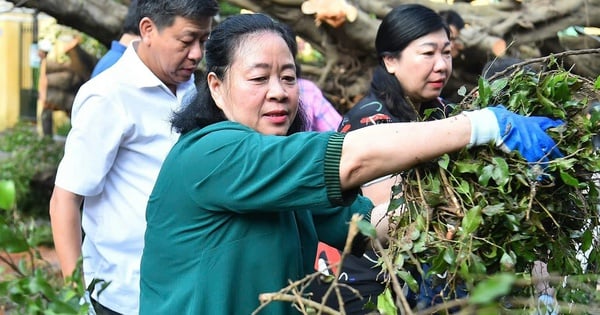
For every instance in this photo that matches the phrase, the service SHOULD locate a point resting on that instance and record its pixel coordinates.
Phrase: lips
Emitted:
(437, 83)
(277, 116)
(189, 70)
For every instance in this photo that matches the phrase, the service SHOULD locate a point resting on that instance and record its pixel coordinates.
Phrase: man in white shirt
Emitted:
(119, 138)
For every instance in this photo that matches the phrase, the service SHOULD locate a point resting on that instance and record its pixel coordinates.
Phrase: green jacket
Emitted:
(235, 213)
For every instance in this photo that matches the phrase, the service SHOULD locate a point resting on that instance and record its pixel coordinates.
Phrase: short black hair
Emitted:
(131, 23)
(164, 12)
(452, 17)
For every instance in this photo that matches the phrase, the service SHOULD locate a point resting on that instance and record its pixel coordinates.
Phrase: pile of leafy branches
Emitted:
(482, 217)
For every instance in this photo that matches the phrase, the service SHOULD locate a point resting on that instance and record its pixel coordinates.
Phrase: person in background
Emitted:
(471, 46)
(320, 113)
(415, 62)
(129, 31)
(455, 24)
(44, 47)
(244, 195)
(59, 80)
(120, 135)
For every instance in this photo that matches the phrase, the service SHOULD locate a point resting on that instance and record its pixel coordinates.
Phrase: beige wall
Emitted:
(15, 69)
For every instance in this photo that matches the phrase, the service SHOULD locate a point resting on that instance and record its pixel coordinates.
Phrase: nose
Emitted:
(443, 63)
(277, 90)
(196, 52)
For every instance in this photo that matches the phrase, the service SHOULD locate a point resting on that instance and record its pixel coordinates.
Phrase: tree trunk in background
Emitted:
(529, 28)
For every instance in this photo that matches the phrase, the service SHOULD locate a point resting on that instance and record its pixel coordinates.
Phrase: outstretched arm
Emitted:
(379, 150)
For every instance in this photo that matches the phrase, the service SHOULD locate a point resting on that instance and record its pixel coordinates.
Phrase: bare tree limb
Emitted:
(88, 16)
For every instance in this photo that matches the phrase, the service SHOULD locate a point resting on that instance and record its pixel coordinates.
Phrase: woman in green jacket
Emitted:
(244, 196)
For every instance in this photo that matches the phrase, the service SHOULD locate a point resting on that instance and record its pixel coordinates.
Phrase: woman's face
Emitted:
(259, 90)
(423, 67)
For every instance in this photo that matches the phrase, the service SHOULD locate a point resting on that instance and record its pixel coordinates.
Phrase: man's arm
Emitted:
(65, 218)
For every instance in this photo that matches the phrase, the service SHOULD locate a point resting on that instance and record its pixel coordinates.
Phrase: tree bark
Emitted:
(528, 27)
(101, 19)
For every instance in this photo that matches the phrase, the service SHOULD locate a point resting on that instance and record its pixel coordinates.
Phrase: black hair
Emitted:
(131, 23)
(401, 26)
(164, 12)
(452, 17)
(220, 49)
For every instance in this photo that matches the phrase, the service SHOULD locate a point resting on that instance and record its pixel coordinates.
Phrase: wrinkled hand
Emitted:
(526, 135)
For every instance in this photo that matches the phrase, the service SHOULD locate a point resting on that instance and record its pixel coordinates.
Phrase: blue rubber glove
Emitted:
(512, 131)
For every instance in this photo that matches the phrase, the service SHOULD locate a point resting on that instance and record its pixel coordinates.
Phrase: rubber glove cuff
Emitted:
(484, 127)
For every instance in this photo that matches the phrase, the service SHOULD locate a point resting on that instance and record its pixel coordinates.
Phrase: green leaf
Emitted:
(449, 256)
(568, 179)
(408, 279)
(498, 85)
(463, 187)
(467, 167)
(40, 284)
(367, 229)
(486, 174)
(492, 210)
(492, 288)
(508, 261)
(420, 244)
(399, 261)
(477, 265)
(12, 242)
(586, 240)
(7, 194)
(485, 92)
(443, 161)
(385, 303)
(597, 83)
(500, 172)
(472, 220)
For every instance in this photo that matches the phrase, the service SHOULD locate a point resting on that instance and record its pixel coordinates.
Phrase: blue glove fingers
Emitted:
(527, 135)
(545, 122)
(546, 143)
(548, 148)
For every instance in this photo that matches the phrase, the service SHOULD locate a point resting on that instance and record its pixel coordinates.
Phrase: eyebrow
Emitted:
(266, 65)
(434, 45)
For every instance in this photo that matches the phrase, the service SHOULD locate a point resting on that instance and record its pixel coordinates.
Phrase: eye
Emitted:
(259, 79)
(289, 78)
(203, 40)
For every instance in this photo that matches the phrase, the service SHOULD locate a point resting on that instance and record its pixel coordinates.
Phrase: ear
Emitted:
(146, 28)
(215, 85)
(390, 63)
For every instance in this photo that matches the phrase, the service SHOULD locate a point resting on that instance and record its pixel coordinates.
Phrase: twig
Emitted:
(395, 283)
(270, 297)
(519, 65)
(509, 69)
